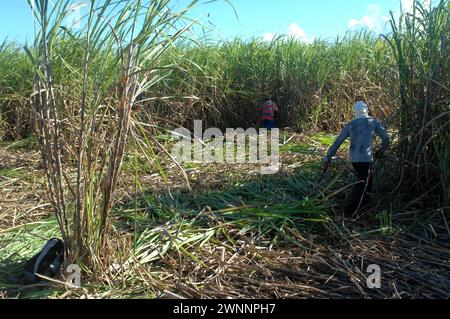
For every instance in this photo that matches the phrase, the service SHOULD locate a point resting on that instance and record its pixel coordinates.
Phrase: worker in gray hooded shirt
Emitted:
(361, 132)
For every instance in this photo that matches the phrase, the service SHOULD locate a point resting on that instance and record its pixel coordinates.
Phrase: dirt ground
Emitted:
(22, 188)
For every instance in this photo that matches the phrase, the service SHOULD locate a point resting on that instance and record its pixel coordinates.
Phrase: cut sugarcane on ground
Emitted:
(242, 237)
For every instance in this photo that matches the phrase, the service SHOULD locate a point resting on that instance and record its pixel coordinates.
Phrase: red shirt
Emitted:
(268, 111)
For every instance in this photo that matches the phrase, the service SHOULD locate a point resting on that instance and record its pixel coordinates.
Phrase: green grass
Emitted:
(262, 203)
(385, 218)
(268, 211)
(191, 165)
(13, 173)
(133, 163)
(325, 139)
(301, 148)
(23, 144)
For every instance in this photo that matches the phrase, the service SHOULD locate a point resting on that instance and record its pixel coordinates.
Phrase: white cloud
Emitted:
(407, 5)
(298, 33)
(293, 31)
(268, 36)
(373, 19)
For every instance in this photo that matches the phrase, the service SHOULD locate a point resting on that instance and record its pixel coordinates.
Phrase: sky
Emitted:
(302, 19)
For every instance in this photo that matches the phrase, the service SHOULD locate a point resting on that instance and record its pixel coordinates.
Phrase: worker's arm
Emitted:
(274, 109)
(339, 140)
(383, 134)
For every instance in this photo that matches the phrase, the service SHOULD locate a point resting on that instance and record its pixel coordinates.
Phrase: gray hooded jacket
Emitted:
(362, 133)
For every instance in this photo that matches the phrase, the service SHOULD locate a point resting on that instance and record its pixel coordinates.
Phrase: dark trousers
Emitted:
(268, 124)
(364, 186)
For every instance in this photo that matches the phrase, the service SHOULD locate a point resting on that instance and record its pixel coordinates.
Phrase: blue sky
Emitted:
(303, 19)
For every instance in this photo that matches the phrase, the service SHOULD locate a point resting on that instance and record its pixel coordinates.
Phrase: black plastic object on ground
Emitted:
(47, 262)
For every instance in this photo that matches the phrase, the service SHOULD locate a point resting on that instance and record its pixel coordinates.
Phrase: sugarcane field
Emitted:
(224, 150)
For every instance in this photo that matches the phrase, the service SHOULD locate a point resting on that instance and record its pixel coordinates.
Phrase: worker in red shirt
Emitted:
(268, 111)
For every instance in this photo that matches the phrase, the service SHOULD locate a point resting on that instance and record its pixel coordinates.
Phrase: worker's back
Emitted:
(268, 111)
(362, 133)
